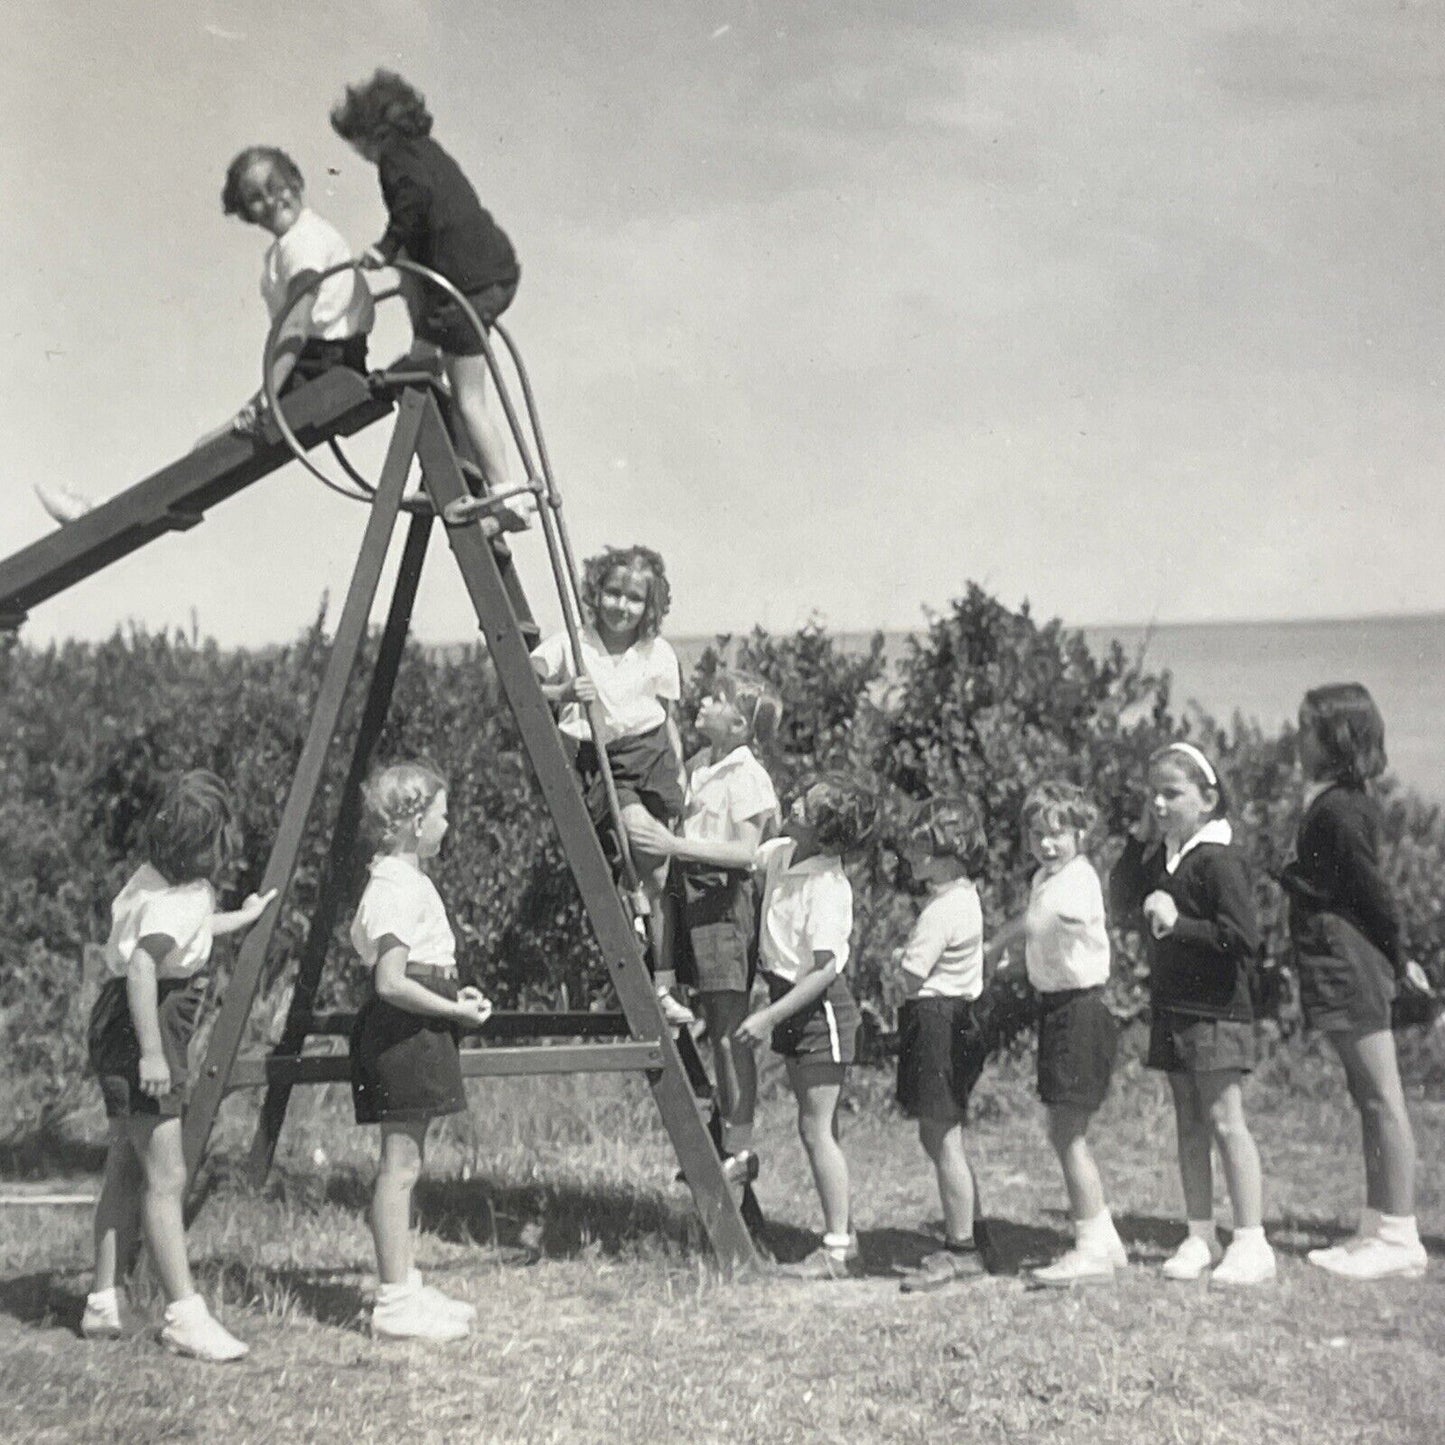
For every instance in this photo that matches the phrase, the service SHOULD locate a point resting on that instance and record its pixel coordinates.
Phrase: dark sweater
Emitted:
(435, 214)
(1337, 871)
(1203, 968)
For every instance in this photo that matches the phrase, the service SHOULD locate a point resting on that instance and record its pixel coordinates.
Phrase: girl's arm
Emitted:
(1356, 879)
(674, 736)
(1131, 880)
(242, 917)
(1231, 924)
(741, 855)
(406, 207)
(919, 956)
(807, 990)
(140, 997)
(395, 988)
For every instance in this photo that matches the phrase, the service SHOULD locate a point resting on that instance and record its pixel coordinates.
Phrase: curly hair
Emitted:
(379, 109)
(950, 828)
(1056, 804)
(597, 570)
(395, 796)
(756, 700)
(841, 811)
(280, 165)
(1345, 722)
(1190, 759)
(192, 831)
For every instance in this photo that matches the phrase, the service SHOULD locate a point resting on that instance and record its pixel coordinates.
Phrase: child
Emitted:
(405, 1068)
(263, 185)
(807, 914)
(941, 1047)
(162, 925)
(631, 684)
(435, 217)
(1181, 874)
(1066, 954)
(731, 808)
(1346, 930)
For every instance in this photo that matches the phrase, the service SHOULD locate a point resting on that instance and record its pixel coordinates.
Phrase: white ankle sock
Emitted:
(102, 1299)
(192, 1307)
(390, 1294)
(1399, 1229)
(1250, 1234)
(1095, 1231)
(837, 1243)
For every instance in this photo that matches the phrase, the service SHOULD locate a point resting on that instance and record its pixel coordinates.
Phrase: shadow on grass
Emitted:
(48, 1155)
(36, 1299)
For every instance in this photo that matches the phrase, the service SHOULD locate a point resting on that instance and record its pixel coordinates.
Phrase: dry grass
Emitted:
(619, 1330)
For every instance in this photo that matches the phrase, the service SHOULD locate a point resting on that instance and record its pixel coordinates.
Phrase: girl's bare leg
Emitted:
(403, 1150)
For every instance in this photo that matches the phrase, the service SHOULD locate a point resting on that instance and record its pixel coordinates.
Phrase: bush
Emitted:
(985, 701)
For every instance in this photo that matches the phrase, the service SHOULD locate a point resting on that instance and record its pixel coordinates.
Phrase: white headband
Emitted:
(1196, 757)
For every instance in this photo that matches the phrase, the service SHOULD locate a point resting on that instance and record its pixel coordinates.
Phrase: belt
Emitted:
(431, 970)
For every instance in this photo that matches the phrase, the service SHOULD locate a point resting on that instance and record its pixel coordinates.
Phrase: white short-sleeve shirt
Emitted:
(1066, 941)
(341, 306)
(631, 685)
(945, 949)
(149, 907)
(807, 909)
(400, 900)
(722, 796)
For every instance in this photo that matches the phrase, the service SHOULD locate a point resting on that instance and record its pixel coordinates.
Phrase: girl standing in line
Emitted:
(1181, 876)
(163, 923)
(941, 1046)
(1066, 954)
(405, 1068)
(1346, 930)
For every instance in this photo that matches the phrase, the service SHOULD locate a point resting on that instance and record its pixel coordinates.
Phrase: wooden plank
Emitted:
(336, 404)
(281, 868)
(569, 1025)
(260, 1070)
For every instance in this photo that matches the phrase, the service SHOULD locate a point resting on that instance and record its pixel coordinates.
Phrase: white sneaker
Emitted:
(1325, 1256)
(1377, 1258)
(1193, 1258)
(191, 1329)
(101, 1319)
(413, 1317)
(63, 504)
(1246, 1262)
(443, 1303)
(1078, 1266)
(674, 1014)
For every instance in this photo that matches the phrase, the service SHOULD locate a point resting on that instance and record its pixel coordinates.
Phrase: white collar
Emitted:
(1216, 830)
(394, 866)
(1316, 789)
(740, 754)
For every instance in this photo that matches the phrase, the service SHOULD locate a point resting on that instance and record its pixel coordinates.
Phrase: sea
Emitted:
(1261, 670)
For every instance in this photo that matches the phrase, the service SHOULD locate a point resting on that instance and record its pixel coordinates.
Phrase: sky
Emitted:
(1130, 309)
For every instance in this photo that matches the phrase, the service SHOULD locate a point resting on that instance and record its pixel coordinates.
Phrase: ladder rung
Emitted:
(255, 1071)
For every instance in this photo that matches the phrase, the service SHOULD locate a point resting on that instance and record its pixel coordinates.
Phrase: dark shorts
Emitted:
(1078, 1039)
(1347, 986)
(1184, 1044)
(645, 770)
(825, 1033)
(443, 323)
(718, 939)
(941, 1053)
(318, 356)
(114, 1049)
(405, 1067)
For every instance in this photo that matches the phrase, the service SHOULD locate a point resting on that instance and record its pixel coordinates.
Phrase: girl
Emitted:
(162, 925)
(731, 808)
(1182, 876)
(941, 1047)
(630, 683)
(264, 186)
(807, 924)
(1066, 954)
(1346, 931)
(435, 217)
(405, 1069)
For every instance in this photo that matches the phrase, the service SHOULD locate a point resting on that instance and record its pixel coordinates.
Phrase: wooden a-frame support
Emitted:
(642, 1041)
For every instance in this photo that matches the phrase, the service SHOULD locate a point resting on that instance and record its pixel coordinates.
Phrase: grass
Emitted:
(601, 1318)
